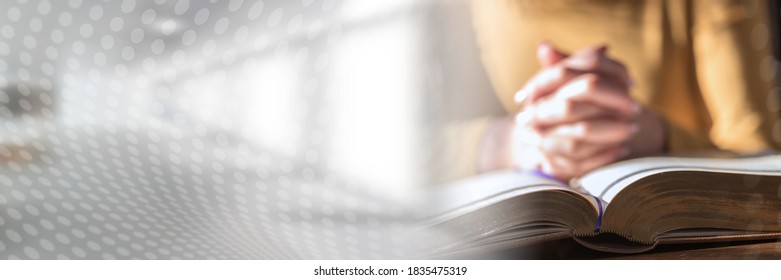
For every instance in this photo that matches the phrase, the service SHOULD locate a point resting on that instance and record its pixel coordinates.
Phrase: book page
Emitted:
(606, 182)
(467, 195)
(704, 232)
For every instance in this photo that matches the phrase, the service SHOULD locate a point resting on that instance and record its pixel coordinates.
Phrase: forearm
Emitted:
(495, 146)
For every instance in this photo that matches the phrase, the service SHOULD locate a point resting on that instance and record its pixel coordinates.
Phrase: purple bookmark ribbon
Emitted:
(542, 174)
(599, 219)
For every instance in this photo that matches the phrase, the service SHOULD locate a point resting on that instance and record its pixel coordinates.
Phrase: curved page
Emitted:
(606, 182)
(468, 195)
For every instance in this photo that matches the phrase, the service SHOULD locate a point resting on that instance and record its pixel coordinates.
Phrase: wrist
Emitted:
(496, 145)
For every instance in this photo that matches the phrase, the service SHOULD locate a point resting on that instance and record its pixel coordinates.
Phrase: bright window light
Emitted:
(374, 105)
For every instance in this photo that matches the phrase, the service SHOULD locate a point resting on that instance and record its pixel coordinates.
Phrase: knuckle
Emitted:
(568, 107)
(592, 81)
(621, 66)
(562, 72)
(583, 152)
(584, 129)
(593, 62)
(569, 146)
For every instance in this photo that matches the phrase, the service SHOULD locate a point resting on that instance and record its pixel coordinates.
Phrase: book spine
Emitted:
(599, 218)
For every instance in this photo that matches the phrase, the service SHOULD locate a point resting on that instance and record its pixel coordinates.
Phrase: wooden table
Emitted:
(569, 249)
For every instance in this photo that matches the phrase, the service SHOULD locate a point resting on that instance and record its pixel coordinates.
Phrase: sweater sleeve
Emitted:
(736, 74)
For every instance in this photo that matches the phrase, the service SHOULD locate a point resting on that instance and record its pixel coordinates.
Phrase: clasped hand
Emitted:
(577, 114)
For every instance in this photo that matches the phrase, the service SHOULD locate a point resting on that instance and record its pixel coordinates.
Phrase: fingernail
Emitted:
(521, 95)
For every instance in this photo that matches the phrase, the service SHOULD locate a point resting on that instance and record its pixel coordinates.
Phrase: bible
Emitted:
(627, 207)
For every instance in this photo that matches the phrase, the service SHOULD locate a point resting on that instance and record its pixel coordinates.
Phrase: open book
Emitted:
(627, 207)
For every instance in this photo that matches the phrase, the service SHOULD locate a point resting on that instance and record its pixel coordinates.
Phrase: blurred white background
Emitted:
(323, 106)
(334, 87)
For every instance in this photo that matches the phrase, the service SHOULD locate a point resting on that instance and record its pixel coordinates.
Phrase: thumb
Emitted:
(548, 55)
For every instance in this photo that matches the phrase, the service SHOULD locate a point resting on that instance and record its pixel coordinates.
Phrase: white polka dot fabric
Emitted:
(173, 129)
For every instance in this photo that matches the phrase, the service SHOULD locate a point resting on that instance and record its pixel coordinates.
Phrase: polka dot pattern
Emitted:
(155, 130)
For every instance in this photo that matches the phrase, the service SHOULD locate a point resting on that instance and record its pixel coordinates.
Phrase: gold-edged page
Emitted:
(704, 232)
(608, 181)
(464, 196)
